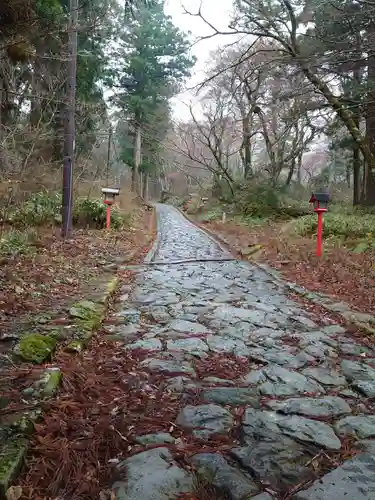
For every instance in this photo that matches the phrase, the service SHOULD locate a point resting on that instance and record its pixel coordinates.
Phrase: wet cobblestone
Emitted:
(210, 307)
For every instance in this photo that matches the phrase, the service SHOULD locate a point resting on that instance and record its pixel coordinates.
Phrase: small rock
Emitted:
(158, 438)
(159, 314)
(329, 406)
(146, 344)
(183, 326)
(35, 347)
(354, 479)
(131, 316)
(353, 349)
(193, 346)
(325, 376)
(259, 423)
(232, 396)
(361, 426)
(180, 384)
(354, 370)
(333, 329)
(278, 381)
(305, 321)
(82, 309)
(320, 351)
(277, 460)
(216, 380)
(169, 367)
(366, 387)
(122, 329)
(222, 344)
(152, 475)
(206, 420)
(230, 314)
(284, 358)
(224, 476)
(348, 393)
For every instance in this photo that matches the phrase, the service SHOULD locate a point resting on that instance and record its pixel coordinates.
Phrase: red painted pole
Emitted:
(319, 238)
(108, 219)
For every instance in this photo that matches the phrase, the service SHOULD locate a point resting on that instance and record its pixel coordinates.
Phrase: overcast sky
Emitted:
(218, 13)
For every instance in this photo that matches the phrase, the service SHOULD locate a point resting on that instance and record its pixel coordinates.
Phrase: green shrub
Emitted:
(339, 225)
(256, 200)
(45, 208)
(17, 243)
(211, 215)
(252, 221)
(93, 213)
(364, 246)
(177, 201)
(41, 208)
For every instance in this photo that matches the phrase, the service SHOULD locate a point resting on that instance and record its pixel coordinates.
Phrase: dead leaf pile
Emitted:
(107, 399)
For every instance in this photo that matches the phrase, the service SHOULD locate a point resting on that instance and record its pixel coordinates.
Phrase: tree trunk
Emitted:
(368, 188)
(145, 186)
(348, 175)
(246, 146)
(291, 172)
(346, 117)
(3, 153)
(36, 79)
(356, 175)
(299, 168)
(137, 158)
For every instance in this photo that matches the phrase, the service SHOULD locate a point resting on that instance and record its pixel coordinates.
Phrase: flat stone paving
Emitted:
(307, 392)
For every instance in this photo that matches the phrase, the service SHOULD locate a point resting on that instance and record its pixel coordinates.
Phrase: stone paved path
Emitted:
(307, 390)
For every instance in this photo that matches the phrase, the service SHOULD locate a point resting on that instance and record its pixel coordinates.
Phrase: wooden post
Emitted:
(69, 123)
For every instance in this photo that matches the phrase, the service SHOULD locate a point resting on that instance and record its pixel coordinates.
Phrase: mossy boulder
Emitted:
(20, 423)
(36, 348)
(87, 314)
(49, 382)
(12, 455)
(75, 346)
(113, 285)
(82, 309)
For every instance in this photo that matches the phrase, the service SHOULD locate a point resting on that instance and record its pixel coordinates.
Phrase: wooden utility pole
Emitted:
(109, 152)
(69, 121)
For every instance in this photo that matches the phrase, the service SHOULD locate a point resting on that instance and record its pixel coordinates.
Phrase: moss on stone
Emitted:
(50, 382)
(21, 421)
(82, 309)
(75, 346)
(12, 455)
(36, 347)
(88, 314)
(113, 286)
(60, 333)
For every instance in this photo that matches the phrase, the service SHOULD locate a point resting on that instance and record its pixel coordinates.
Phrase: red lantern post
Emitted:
(320, 201)
(109, 199)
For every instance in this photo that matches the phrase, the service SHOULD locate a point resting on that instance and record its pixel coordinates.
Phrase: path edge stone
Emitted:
(150, 256)
(13, 450)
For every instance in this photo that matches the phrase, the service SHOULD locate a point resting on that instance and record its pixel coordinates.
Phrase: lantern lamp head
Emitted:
(320, 200)
(110, 194)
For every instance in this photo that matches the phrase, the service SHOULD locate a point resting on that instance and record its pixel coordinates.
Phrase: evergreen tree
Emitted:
(152, 60)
